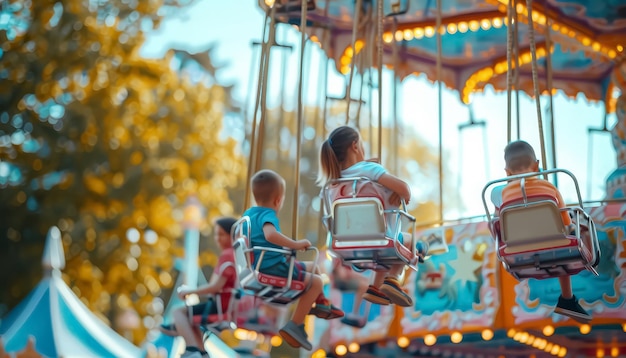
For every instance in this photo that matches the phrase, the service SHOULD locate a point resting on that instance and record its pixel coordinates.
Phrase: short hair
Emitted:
(226, 223)
(266, 184)
(519, 155)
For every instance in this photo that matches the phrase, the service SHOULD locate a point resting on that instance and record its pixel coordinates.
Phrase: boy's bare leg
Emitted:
(186, 330)
(308, 298)
(293, 332)
(363, 284)
(566, 287)
(395, 271)
(323, 307)
(379, 278)
(355, 319)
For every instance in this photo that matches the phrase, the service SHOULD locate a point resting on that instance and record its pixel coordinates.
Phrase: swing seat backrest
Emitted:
(270, 288)
(534, 242)
(362, 231)
(357, 213)
(358, 219)
(532, 225)
(355, 187)
(243, 257)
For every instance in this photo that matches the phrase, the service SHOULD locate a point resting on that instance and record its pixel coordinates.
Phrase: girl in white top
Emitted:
(342, 156)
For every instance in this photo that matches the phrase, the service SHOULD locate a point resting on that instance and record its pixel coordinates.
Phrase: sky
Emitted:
(474, 155)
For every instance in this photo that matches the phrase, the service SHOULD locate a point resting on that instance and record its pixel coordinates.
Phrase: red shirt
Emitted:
(226, 268)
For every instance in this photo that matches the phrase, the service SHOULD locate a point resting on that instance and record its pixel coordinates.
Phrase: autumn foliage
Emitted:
(107, 146)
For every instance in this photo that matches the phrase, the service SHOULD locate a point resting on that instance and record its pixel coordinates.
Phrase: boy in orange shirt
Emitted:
(520, 158)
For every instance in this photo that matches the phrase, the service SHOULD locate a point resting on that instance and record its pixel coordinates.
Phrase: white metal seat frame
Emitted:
(531, 238)
(231, 319)
(269, 288)
(361, 232)
(216, 321)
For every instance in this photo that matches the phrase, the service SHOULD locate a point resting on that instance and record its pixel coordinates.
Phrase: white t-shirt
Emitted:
(372, 171)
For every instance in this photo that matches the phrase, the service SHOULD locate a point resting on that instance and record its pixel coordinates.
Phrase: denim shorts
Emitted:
(282, 269)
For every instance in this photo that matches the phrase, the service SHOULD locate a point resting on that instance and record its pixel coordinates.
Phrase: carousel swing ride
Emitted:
(466, 302)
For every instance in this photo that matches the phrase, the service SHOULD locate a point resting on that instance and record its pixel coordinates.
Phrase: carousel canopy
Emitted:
(586, 38)
(56, 322)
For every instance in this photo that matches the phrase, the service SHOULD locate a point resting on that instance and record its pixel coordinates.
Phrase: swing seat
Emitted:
(255, 315)
(215, 322)
(533, 242)
(361, 232)
(221, 320)
(531, 239)
(269, 288)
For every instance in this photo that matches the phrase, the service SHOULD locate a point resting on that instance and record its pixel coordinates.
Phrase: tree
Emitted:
(107, 146)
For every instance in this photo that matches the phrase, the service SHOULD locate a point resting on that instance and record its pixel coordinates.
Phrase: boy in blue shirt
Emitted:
(268, 189)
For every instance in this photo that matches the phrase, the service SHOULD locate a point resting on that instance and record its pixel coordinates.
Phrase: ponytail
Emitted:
(333, 153)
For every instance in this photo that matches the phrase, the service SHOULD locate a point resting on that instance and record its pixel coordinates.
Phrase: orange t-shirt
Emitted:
(534, 187)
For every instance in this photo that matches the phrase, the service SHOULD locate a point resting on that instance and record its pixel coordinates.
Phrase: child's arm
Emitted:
(215, 285)
(277, 238)
(396, 185)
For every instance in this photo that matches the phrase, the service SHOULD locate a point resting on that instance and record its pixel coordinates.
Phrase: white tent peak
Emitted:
(53, 255)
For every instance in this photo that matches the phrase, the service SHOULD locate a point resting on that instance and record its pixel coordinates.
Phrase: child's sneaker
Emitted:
(354, 320)
(326, 310)
(295, 336)
(374, 295)
(391, 288)
(571, 308)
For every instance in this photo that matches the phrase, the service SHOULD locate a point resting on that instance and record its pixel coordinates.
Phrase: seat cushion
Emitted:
(280, 281)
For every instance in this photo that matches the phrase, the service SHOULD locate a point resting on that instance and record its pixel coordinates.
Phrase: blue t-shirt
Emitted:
(496, 196)
(260, 216)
